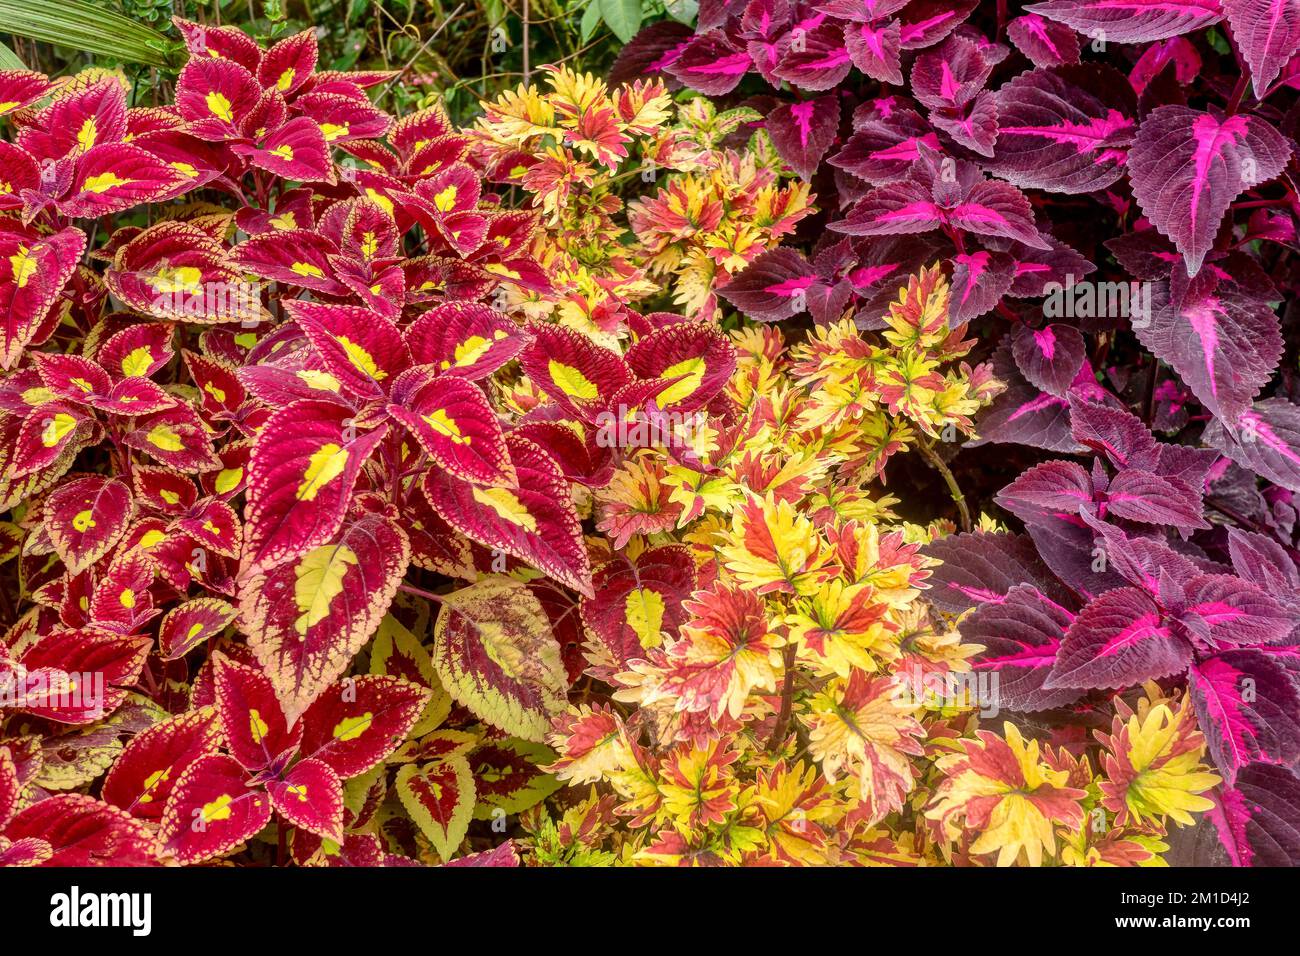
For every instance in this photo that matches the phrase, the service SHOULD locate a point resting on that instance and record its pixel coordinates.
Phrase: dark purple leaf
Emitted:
(1118, 640)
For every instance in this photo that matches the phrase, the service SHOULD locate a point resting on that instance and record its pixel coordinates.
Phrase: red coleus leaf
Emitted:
(300, 479)
(289, 64)
(253, 724)
(310, 796)
(21, 88)
(578, 374)
(306, 618)
(78, 121)
(143, 777)
(117, 176)
(296, 150)
(355, 724)
(465, 338)
(222, 43)
(534, 519)
(85, 518)
(195, 622)
(214, 96)
(33, 271)
(83, 831)
(639, 601)
(451, 419)
(77, 676)
(1187, 166)
(211, 810)
(363, 350)
(696, 359)
(176, 438)
(298, 257)
(1268, 32)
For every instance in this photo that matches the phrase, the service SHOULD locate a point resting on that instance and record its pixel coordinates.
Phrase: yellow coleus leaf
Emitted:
(775, 549)
(1154, 765)
(1002, 789)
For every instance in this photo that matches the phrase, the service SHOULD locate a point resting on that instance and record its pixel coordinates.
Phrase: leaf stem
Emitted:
(930, 455)
(787, 700)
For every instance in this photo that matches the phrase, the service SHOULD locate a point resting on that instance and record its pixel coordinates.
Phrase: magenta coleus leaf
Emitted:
(1268, 33)
(85, 518)
(1265, 439)
(1066, 130)
(1258, 819)
(1021, 633)
(981, 567)
(355, 724)
(1118, 640)
(1248, 706)
(310, 796)
(1050, 357)
(143, 777)
(1221, 338)
(802, 132)
(1187, 166)
(1131, 21)
(1044, 42)
(82, 831)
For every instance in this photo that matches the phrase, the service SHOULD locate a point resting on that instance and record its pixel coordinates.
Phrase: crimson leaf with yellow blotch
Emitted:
(307, 618)
(533, 518)
(496, 655)
(300, 479)
(451, 419)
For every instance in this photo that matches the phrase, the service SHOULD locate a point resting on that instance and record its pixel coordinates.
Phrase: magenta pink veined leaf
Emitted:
(1065, 129)
(1023, 414)
(1021, 634)
(1248, 706)
(300, 479)
(1258, 819)
(1268, 34)
(1222, 339)
(710, 64)
(1264, 563)
(1187, 166)
(1132, 21)
(979, 280)
(803, 131)
(950, 76)
(1049, 357)
(875, 49)
(1118, 640)
(982, 567)
(883, 147)
(1266, 439)
(1223, 610)
(820, 62)
(1045, 43)
(942, 192)
(770, 288)
(926, 22)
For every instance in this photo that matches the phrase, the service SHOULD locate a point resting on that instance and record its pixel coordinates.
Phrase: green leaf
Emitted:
(590, 20)
(683, 11)
(9, 59)
(87, 28)
(623, 17)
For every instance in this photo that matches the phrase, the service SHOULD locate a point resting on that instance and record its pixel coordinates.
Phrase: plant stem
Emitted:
(421, 593)
(930, 455)
(787, 700)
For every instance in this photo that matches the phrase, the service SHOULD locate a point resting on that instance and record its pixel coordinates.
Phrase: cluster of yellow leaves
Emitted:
(784, 721)
(576, 147)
